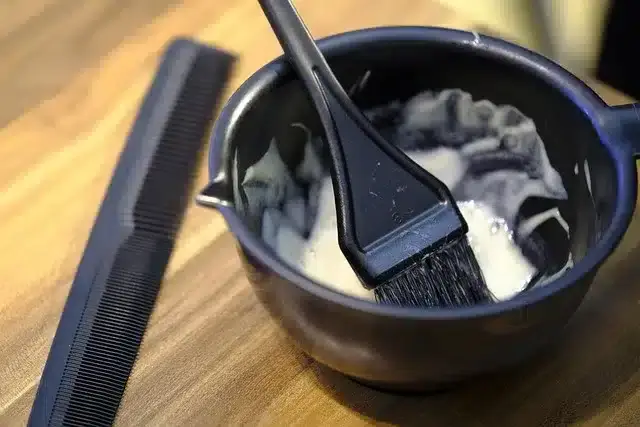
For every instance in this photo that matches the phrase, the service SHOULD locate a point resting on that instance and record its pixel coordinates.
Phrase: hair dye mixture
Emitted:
(490, 157)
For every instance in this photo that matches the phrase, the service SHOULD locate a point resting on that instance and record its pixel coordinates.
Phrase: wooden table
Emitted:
(71, 77)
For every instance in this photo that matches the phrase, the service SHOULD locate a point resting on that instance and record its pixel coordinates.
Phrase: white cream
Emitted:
(505, 269)
(445, 163)
(319, 256)
(489, 203)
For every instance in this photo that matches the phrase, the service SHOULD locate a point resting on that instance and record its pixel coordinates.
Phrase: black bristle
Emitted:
(117, 281)
(448, 277)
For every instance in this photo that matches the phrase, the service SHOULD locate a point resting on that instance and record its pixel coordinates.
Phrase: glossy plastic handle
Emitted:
(624, 121)
(298, 44)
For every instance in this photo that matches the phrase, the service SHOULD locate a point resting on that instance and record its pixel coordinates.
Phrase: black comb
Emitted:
(118, 279)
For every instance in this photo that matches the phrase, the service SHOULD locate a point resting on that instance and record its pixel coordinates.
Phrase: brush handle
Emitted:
(324, 89)
(299, 46)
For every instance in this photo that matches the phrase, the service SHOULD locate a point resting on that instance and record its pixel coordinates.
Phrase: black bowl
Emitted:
(409, 348)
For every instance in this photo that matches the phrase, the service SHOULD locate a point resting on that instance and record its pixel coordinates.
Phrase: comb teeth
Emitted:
(118, 279)
(95, 378)
(167, 187)
(448, 277)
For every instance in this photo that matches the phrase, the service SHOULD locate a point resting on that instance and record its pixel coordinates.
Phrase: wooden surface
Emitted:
(71, 76)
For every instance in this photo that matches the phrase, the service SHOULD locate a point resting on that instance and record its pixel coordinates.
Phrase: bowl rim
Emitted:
(595, 109)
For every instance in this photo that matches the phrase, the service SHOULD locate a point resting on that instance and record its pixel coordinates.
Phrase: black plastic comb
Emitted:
(123, 264)
(398, 225)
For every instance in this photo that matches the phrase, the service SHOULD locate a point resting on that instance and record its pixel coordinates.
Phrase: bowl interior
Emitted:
(398, 71)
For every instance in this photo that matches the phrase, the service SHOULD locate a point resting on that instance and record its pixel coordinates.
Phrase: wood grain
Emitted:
(71, 77)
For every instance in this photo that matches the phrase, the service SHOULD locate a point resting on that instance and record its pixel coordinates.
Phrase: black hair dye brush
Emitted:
(398, 225)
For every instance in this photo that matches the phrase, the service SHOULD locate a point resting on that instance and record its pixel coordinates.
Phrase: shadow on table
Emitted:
(594, 367)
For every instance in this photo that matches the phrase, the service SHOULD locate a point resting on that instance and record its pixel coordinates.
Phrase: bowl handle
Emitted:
(624, 122)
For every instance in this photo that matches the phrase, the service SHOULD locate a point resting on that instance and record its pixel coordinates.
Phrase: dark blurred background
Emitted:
(595, 39)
